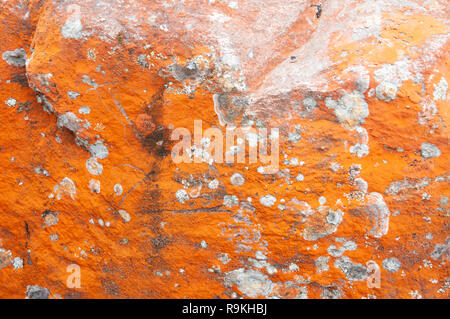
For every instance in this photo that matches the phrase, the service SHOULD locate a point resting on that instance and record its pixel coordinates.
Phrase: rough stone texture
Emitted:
(91, 90)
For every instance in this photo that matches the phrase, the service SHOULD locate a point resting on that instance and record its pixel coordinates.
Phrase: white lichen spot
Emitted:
(182, 195)
(213, 184)
(17, 263)
(310, 103)
(233, 4)
(99, 150)
(73, 95)
(94, 167)
(17, 57)
(230, 200)
(11, 102)
(94, 186)
(335, 166)
(72, 29)
(440, 90)
(84, 110)
(361, 150)
(224, 259)
(65, 187)
(428, 150)
(351, 109)
(322, 200)
(125, 215)
(251, 283)
(386, 91)
(352, 271)
(118, 190)
(361, 185)
(237, 179)
(267, 200)
(322, 263)
(392, 264)
(334, 217)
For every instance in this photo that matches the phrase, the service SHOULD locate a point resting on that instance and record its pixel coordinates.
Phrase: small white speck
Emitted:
(322, 200)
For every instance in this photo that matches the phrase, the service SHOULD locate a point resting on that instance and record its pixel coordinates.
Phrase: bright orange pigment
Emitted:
(91, 92)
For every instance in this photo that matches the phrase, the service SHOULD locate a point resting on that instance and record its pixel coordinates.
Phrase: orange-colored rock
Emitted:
(94, 93)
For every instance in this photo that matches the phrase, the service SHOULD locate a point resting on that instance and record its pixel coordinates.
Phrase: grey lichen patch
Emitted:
(331, 293)
(99, 150)
(181, 73)
(93, 166)
(40, 171)
(237, 179)
(428, 150)
(386, 91)
(335, 251)
(440, 90)
(294, 137)
(229, 108)
(310, 104)
(322, 263)
(182, 195)
(350, 110)
(86, 79)
(213, 184)
(361, 185)
(334, 217)
(73, 95)
(50, 218)
(37, 292)
(84, 110)
(224, 259)
(65, 187)
(143, 61)
(46, 105)
(251, 283)
(404, 185)
(352, 271)
(72, 29)
(17, 57)
(350, 245)
(392, 264)
(230, 201)
(70, 121)
(441, 250)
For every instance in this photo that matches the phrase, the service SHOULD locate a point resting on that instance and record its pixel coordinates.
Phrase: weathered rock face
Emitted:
(95, 205)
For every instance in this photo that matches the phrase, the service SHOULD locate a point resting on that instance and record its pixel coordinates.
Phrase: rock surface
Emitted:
(91, 92)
